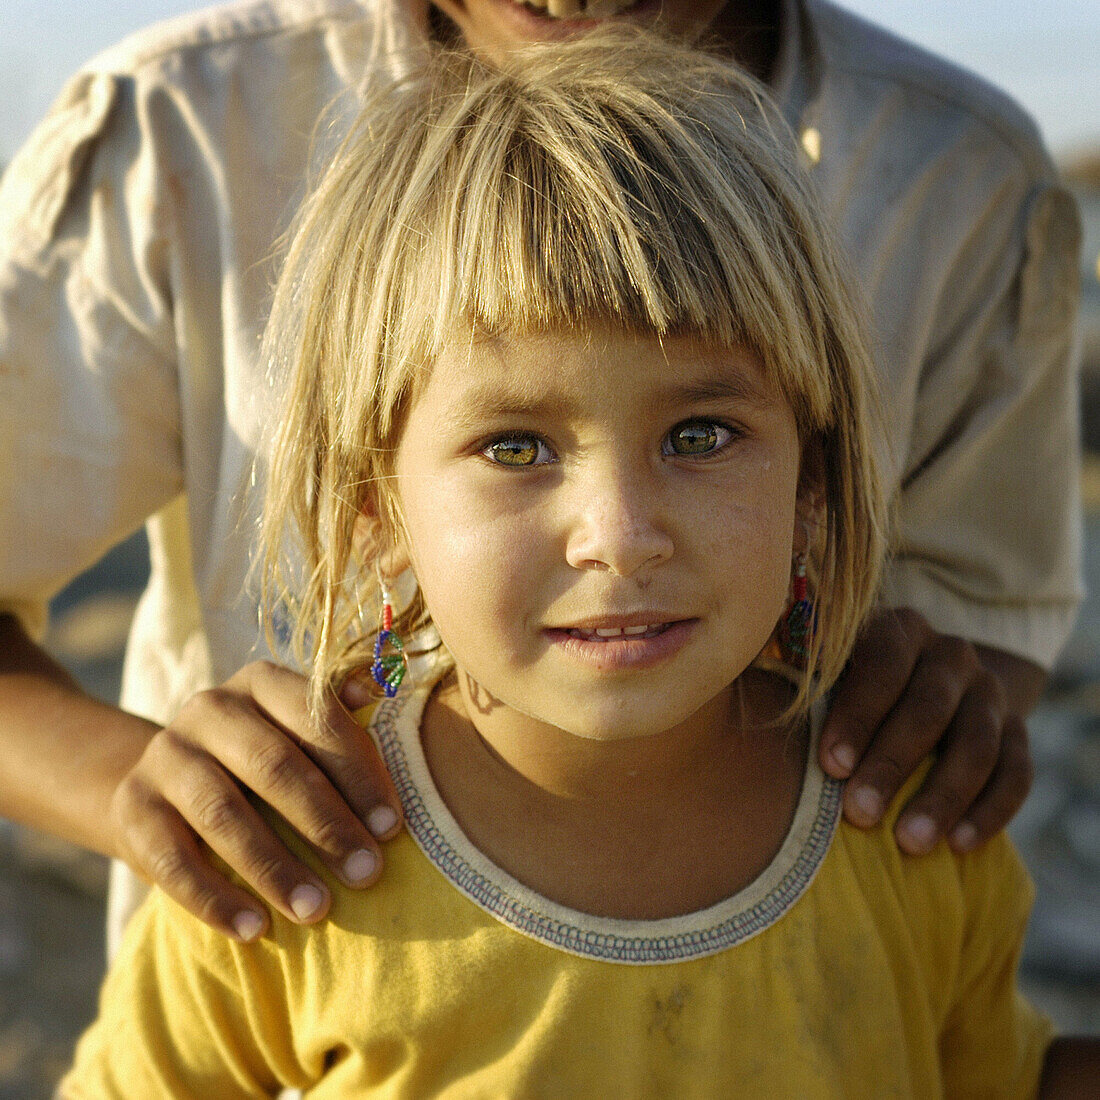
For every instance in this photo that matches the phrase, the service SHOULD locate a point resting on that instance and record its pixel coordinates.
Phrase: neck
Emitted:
(616, 827)
(749, 30)
(630, 770)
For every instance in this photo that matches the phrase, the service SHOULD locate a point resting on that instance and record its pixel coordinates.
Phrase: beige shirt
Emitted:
(137, 230)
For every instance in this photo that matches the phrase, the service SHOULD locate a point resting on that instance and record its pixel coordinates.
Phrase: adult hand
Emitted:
(908, 690)
(253, 735)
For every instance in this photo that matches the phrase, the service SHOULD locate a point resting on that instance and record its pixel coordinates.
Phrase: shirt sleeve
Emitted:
(994, 1041)
(89, 406)
(989, 524)
(185, 1012)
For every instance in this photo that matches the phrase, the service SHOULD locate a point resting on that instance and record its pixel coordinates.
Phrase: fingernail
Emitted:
(359, 866)
(964, 836)
(844, 756)
(868, 801)
(920, 831)
(247, 925)
(355, 694)
(381, 820)
(305, 901)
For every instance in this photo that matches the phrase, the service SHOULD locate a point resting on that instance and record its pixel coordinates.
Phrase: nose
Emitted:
(619, 524)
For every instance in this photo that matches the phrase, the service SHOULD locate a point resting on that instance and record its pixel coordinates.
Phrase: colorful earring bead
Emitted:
(390, 663)
(797, 628)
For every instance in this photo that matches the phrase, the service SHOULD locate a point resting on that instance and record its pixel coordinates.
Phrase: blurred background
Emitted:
(1047, 54)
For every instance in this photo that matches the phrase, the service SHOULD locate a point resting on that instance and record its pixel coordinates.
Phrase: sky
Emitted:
(1045, 52)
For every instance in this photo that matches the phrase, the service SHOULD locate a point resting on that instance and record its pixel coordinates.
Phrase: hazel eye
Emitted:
(518, 451)
(696, 437)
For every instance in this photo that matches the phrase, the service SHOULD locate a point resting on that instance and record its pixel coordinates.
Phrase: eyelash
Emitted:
(540, 447)
(725, 434)
(717, 427)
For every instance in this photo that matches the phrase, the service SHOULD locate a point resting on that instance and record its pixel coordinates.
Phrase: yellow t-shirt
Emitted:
(846, 970)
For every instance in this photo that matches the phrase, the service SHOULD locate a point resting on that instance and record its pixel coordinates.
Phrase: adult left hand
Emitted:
(908, 690)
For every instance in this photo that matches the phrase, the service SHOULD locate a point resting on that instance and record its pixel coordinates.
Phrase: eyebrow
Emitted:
(501, 401)
(726, 386)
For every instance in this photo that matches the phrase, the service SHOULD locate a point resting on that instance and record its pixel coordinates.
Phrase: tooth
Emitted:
(563, 9)
(635, 629)
(608, 632)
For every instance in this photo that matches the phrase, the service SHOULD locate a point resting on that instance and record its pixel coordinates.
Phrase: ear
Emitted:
(810, 501)
(374, 544)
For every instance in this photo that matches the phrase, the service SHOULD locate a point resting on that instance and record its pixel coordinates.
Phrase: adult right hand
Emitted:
(909, 691)
(252, 736)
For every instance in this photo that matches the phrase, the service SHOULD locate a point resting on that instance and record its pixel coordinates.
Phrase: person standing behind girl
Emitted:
(136, 230)
(600, 388)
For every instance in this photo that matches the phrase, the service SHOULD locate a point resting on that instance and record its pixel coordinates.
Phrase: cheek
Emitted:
(754, 551)
(752, 539)
(475, 569)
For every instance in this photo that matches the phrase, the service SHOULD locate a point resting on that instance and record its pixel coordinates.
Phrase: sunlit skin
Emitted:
(490, 24)
(559, 487)
(747, 27)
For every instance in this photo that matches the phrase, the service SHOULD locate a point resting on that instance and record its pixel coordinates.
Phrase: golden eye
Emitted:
(696, 437)
(518, 450)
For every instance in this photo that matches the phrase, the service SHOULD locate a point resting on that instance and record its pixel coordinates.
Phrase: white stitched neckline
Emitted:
(725, 924)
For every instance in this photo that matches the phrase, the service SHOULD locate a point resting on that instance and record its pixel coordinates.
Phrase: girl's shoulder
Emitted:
(953, 911)
(970, 879)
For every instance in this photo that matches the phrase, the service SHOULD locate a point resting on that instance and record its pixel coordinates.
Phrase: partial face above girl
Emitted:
(601, 525)
(489, 25)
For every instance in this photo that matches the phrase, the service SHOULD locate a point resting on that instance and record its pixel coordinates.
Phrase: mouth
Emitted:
(609, 633)
(541, 17)
(579, 9)
(623, 646)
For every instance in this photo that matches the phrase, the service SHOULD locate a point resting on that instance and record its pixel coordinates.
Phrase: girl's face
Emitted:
(601, 526)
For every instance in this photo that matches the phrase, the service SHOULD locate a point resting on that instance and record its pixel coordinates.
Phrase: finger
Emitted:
(337, 744)
(345, 750)
(221, 816)
(966, 761)
(279, 773)
(356, 691)
(1003, 795)
(876, 676)
(915, 726)
(163, 850)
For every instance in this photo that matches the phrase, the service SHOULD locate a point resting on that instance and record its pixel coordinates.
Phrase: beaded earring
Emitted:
(390, 663)
(796, 630)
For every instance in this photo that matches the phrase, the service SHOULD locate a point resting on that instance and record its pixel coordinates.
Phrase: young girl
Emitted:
(577, 432)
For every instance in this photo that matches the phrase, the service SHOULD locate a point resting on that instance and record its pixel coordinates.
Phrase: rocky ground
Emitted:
(52, 895)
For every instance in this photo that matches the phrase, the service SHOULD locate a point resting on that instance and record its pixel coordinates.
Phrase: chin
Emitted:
(623, 723)
(515, 23)
(607, 734)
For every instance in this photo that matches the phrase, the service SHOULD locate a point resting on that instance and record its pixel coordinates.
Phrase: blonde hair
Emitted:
(613, 180)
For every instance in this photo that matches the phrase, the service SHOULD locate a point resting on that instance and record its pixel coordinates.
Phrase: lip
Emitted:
(624, 651)
(649, 617)
(529, 23)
